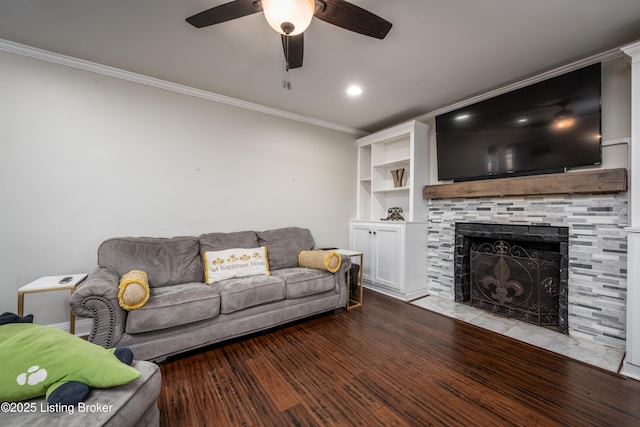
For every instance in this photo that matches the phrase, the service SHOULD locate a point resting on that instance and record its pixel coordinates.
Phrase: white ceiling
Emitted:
(437, 52)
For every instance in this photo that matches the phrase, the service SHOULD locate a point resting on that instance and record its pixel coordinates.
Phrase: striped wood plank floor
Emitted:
(389, 364)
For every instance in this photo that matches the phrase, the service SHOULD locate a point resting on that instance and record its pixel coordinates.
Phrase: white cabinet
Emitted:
(403, 147)
(394, 256)
(380, 245)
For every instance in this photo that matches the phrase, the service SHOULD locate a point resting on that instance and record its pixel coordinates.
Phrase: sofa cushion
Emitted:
(284, 245)
(222, 241)
(302, 282)
(166, 261)
(243, 292)
(176, 305)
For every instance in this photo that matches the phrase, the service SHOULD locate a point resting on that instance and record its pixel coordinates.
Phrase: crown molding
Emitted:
(633, 50)
(81, 64)
(619, 141)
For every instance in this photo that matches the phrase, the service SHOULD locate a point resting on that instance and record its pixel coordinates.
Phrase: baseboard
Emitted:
(411, 296)
(630, 370)
(83, 326)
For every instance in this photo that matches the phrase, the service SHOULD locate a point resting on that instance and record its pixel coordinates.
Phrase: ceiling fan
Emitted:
(292, 17)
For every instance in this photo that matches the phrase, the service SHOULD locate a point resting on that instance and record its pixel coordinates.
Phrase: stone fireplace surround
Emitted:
(597, 270)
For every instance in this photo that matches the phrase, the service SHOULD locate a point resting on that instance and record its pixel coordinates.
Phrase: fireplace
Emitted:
(518, 271)
(597, 263)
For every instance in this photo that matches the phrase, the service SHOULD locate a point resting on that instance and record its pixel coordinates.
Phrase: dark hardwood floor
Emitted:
(389, 364)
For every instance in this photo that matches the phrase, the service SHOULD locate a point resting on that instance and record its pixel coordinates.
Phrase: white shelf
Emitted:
(391, 190)
(393, 163)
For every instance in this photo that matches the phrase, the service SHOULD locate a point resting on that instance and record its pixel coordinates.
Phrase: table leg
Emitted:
(348, 288)
(352, 302)
(20, 303)
(72, 319)
(361, 274)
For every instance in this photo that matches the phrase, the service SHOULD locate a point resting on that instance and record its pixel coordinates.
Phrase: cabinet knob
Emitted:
(374, 233)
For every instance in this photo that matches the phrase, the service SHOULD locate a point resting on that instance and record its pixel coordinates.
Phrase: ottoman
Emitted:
(132, 404)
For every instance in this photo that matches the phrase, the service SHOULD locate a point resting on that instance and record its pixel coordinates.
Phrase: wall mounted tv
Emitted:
(543, 128)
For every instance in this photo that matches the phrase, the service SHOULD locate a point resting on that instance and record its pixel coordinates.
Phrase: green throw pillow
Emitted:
(38, 359)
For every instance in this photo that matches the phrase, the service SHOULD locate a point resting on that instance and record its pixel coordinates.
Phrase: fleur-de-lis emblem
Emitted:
(502, 283)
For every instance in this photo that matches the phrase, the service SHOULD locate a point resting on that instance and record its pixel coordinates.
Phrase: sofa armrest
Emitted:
(97, 298)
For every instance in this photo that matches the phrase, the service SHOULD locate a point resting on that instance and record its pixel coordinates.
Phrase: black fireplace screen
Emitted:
(520, 271)
(510, 280)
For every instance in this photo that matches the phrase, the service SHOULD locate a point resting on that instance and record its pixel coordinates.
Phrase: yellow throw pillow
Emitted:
(133, 291)
(236, 262)
(323, 260)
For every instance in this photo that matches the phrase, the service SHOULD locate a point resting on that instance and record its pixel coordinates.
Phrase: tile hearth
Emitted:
(593, 354)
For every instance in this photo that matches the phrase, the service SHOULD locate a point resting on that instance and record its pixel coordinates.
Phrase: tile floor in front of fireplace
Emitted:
(582, 350)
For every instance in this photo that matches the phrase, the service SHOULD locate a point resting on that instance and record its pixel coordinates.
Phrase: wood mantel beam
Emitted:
(598, 181)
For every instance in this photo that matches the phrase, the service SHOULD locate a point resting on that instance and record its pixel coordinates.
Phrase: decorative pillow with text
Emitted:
(237, 262)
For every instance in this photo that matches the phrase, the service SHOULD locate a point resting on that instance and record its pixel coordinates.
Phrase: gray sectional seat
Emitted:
(183, 312)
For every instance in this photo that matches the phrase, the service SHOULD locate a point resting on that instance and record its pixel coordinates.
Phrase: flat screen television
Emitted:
(542, 128)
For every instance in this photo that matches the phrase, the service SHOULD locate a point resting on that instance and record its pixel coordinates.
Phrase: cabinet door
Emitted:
(361, 240)
(387, 257)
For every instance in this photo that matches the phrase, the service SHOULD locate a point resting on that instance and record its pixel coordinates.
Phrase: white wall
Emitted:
(85, 157)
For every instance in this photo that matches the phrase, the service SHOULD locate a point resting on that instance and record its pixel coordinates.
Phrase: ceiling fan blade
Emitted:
(225, 12)
(293, 47)
(353, 18)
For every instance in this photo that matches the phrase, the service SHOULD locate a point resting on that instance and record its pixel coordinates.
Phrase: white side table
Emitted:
(52, 283)
(353, 303)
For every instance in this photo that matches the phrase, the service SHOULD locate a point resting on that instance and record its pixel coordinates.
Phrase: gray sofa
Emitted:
(183, 312)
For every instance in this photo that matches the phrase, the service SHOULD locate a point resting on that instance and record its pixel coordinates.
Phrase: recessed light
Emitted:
(463, 117)
(523, 120)
(354, 90)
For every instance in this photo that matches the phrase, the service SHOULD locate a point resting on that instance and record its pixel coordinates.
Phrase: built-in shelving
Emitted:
(402, 147)
(394, 251)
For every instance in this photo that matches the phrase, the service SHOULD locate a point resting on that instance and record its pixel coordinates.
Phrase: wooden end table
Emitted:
(52, 283)
(351, 302)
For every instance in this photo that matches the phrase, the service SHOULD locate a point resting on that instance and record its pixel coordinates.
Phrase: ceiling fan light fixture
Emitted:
(289, 17)
(354, 90)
